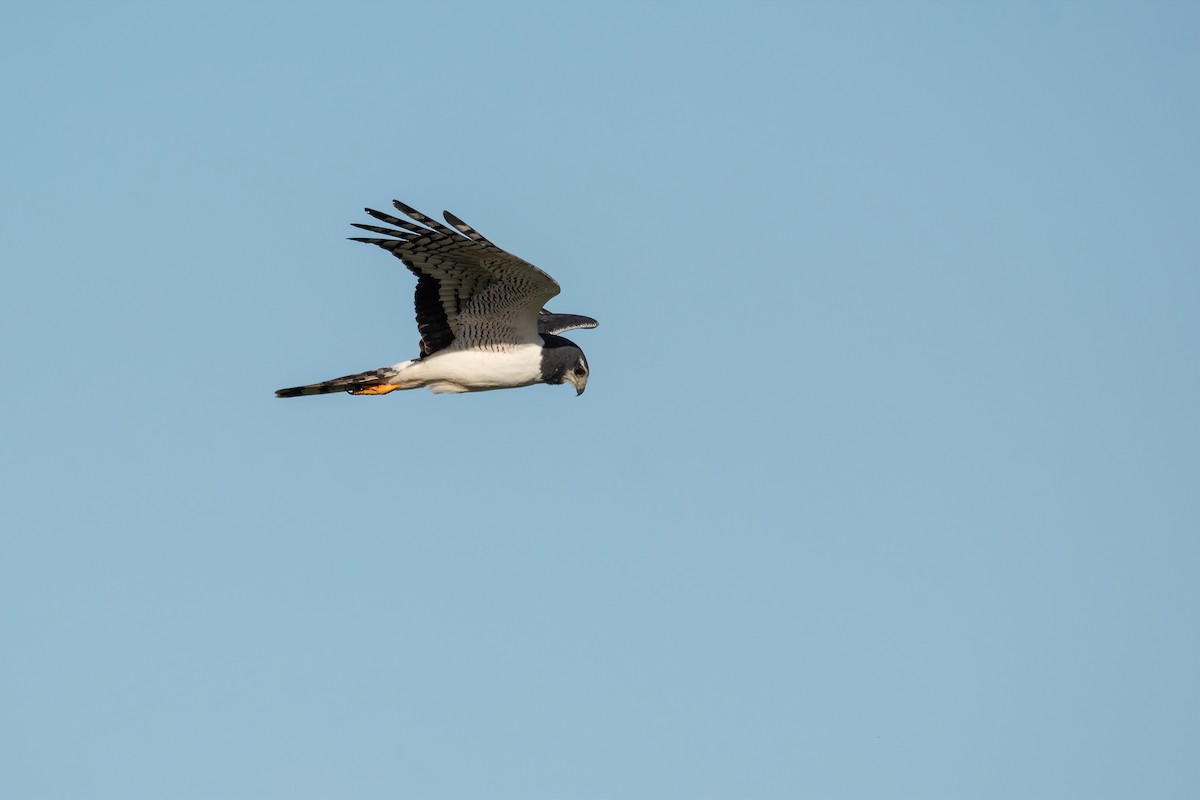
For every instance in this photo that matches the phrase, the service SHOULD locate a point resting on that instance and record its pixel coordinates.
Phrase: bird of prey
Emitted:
(479, 313)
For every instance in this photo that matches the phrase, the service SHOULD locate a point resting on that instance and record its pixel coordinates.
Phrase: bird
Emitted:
(480, 314)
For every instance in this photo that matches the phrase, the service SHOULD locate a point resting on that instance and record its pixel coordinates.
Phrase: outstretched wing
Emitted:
(549, 322)
(471, 295)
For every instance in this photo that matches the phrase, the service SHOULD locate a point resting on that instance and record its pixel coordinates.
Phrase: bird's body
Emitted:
(479, 312)
(452, 371)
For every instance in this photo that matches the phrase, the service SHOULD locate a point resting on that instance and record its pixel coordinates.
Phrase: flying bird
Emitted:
(479, 312)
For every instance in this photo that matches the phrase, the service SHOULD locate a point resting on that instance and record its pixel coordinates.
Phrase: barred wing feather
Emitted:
(470, 294)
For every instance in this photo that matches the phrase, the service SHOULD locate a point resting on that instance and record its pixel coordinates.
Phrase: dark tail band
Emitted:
(347, 383)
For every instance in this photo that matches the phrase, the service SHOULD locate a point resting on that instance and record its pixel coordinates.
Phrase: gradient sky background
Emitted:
(886, 483)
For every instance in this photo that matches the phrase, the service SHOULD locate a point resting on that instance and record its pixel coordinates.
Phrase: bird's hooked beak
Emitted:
(580, 383)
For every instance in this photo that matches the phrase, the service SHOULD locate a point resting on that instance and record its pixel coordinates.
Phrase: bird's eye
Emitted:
(580, 371)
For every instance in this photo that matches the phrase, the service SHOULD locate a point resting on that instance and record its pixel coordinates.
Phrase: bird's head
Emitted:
(564, 362)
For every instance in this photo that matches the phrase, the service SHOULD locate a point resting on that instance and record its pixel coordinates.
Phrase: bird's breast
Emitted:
(479, 370)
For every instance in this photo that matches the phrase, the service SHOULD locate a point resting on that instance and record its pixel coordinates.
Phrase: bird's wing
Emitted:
(549, 322)
(471, 295)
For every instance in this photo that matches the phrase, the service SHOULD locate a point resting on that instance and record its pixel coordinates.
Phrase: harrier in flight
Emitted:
(479, 313)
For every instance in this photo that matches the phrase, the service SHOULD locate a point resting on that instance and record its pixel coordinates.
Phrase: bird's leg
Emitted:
(381, 389)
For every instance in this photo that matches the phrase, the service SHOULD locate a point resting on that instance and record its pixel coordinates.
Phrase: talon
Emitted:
(382, 389)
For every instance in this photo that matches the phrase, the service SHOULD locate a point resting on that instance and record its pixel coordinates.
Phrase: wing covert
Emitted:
(470, 294)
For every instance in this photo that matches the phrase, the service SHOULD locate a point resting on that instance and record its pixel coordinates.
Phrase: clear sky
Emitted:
(886, 483)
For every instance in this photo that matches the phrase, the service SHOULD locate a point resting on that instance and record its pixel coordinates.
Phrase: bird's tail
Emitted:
(375, 381)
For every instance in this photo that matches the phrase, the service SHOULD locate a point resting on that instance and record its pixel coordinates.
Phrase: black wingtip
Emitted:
(405, 207)
(550, 322)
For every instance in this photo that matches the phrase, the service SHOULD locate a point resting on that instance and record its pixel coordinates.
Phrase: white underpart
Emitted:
(452, 370)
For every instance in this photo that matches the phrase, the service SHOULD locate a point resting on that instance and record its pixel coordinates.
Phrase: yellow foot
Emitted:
(384, 389)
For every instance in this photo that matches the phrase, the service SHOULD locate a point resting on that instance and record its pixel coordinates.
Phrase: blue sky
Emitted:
(885, 485)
